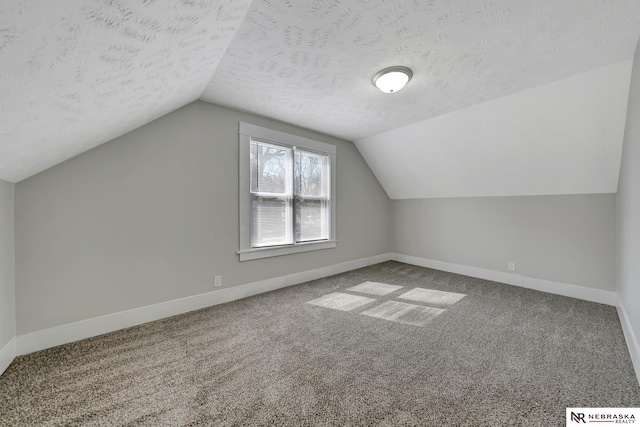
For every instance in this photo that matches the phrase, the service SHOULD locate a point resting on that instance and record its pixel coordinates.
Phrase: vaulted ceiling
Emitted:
(77, 73)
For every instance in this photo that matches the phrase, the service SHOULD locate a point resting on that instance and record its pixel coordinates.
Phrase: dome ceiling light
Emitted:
(392, 79)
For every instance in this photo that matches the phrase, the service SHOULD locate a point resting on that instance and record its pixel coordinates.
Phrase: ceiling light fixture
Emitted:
(392, 79)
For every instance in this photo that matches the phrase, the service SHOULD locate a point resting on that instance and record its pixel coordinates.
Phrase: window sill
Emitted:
(285, 250)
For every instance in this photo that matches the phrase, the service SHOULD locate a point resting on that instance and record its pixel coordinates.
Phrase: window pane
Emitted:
(311, 174)
(311, 220)
(271, 221)
(269, 168)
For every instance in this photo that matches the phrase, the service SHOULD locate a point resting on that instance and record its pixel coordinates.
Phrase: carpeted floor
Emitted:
(408, 346)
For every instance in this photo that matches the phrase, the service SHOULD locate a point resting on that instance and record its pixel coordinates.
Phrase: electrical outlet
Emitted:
(512, 266)
(218, 281)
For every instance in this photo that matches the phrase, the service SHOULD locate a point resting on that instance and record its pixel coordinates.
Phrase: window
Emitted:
(287, 184)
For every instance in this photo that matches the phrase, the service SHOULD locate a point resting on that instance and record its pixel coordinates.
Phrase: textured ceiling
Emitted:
(77, 73)
(564, 137)
(310, 62)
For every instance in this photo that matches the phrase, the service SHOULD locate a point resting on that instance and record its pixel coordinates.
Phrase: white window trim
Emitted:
(245, 132)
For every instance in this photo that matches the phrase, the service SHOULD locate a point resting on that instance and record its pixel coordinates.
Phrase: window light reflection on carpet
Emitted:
(404, 313)
(432, 296)
(374, 288)
(340, 301)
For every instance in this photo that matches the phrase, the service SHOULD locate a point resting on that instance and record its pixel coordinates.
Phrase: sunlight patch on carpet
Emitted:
(431, 296)
(374, 288)
(404, 313)
(339, 301)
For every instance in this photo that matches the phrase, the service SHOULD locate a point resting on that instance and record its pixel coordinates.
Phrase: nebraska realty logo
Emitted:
(602, 415)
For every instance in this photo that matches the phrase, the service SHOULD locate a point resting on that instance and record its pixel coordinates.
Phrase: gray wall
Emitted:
(568, 239)
(153, 216)
(628, 198)
(7, 284)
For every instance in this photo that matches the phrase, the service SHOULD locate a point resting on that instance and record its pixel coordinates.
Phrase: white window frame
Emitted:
(248, 131)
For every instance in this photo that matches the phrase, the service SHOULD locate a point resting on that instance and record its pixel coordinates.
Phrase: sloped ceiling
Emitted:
(564, 137)
(311, 62)
(76, 73)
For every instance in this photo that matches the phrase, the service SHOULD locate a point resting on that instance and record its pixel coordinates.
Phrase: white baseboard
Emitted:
(631, 338)
(480, 273)
(71, 332)
(558, 288)
(7, 354)
(574, 291)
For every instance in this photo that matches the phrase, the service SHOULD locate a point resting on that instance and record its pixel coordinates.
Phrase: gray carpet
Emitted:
(457, 351)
